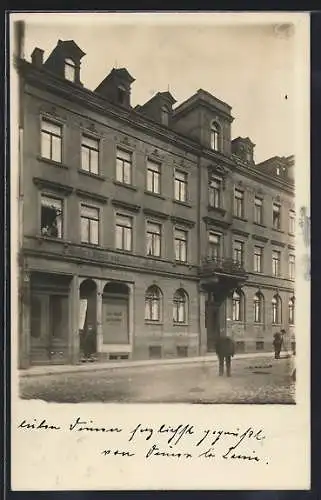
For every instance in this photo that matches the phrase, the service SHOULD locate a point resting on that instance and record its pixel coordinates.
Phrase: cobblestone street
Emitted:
(258, 380)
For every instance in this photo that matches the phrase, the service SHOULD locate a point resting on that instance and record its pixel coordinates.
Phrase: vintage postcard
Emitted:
(160, 251)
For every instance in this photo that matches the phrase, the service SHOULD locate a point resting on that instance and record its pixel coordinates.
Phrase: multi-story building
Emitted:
(147, 226)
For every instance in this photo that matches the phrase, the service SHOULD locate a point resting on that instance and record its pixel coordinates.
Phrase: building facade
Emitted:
(148, 227)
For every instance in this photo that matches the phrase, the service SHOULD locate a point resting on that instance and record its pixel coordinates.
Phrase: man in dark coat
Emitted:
(225, 350)
(277, 344)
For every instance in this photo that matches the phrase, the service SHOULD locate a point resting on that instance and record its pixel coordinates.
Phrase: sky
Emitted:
(250, 66)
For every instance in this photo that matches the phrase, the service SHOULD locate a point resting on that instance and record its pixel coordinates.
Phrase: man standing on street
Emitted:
(225, 350)
(277, 344)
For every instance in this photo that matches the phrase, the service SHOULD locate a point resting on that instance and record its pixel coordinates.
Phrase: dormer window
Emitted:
(164, 115)
(70, 70)
(215, 136)
(121, 94)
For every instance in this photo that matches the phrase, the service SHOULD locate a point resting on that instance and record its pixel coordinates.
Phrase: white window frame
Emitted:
(53, 136)
(123, 164)
(258, 269)
(124, 234)
(91, 150)
(180, 304)
(89, 206)
(180, 185)
(181, 245)
(153, 172)
(157, 235)
(69, 65)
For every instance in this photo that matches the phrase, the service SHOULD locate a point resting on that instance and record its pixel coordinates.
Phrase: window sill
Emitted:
(291, 234)
(90, 245)
(156, 195)
(220, 210)
(180, 262)
(127, 186)
(240, 218)
(91, 174)
(153, 322)
(54, 239)
(259, 224)
(183, 203)
(277, 230)
(179, 324)
(123, 251)
(52, 162)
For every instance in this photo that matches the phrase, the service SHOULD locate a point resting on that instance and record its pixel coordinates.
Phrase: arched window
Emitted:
(153, 304)
(291, 311)
(180, 306)
(238, 305)
(276, 310)
(215, 136)
(70, 70)
(258, 308)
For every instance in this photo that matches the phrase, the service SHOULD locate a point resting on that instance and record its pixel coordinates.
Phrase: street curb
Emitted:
(92, 367)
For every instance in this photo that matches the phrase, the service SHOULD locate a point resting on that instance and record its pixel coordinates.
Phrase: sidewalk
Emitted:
(110, 365)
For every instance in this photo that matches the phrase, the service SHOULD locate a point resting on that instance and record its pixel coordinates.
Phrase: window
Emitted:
(153, 177)
(180, 307)
(180, 186)
(153, 239)
(51, 217)
(276, 260)
(182, 351)
(153, 304)
(276, 216)
(51, 140)
(121, 94)
(164, 115)
(89, 221)
(292, 222)
(258, 210)
(89, 154)
(70, 70)
(292, 267)
(248, 156)
(258, 257)
(259, 345)
(215, 192)
(215, 136)
(291, 311)
(258, 307)
(214, 246)
(238, 203)
(276, 310)
(155, 351)
(237, 306)
(124, 166)
(238, 252)
(180, 242)
(124, 232)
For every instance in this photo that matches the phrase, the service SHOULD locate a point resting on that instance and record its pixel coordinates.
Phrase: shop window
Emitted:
(182, 351)
(155, 352)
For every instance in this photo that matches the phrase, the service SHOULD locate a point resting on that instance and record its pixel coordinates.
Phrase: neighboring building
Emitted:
(147, 226)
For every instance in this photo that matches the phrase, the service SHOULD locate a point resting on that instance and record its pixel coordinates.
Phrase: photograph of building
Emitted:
(147, 230)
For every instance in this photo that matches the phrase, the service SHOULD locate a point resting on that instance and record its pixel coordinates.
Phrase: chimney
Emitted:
(37, 57)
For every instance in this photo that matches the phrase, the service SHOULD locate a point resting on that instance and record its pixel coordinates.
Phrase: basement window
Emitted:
(51, 217)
